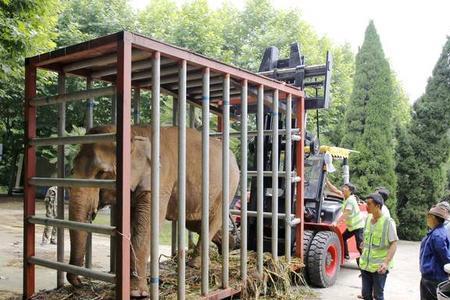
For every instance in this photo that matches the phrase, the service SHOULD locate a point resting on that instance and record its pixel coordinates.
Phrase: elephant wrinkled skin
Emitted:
(99, 161)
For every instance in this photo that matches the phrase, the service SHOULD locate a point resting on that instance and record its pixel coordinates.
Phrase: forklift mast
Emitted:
(315, 79)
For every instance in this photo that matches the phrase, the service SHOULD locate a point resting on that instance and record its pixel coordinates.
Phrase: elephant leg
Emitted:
(215, 222)
(140, 233)
(141, 216)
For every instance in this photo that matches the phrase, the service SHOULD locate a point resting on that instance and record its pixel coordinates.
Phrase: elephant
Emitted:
(98, 161)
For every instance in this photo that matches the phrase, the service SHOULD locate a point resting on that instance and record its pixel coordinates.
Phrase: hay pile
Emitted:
(277, 281)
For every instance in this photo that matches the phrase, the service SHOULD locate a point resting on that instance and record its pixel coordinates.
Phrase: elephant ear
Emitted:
(140, 172)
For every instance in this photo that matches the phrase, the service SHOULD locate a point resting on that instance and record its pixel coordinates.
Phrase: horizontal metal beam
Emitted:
(215, 66)
(72, 182)
(252, 213)
(101, 229)
(136, 66)
(79, 95)
(147, 73)
(73, 269)
(85, 139)
(214, 79)
(268, 173)
(254, 133)
(103, 60)
(174, 78)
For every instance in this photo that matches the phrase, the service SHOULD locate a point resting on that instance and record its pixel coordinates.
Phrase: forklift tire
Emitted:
(324, 258)
(308, 236)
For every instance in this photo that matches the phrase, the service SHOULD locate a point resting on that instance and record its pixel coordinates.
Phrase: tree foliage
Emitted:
(424, 151)
(369, 119)
(26, 28)
(229, 34)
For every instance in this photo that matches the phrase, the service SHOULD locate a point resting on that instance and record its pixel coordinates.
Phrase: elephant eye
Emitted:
(100, 174)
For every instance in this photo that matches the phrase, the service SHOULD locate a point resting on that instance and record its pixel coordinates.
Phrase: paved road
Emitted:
(402, 282)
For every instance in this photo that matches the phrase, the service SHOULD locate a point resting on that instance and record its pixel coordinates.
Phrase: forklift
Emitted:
(322, 222)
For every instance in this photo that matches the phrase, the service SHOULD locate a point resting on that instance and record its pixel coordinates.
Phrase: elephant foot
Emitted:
(139, 288)
(74, 279)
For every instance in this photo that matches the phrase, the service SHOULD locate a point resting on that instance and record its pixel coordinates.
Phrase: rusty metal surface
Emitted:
(85, 58)
(299, 209)
(123, 169)
(29, 191)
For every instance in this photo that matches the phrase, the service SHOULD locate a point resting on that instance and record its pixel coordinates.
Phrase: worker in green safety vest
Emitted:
(354, 220)
(380, 244)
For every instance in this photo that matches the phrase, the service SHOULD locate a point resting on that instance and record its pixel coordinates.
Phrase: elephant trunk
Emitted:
(83, 203)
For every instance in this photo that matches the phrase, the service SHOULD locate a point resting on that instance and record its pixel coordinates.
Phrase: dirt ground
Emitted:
(402, 282)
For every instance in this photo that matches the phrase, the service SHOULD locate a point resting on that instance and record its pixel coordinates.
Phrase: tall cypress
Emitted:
(424, 151)
(369, 125)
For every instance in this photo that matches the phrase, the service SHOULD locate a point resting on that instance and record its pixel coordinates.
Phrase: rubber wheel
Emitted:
(324, 257)
(308, 236)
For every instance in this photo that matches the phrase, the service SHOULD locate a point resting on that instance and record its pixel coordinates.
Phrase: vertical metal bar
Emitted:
(90, 105)
(288, 181)
(61, 174)
(181, 180)
(191, 125)
(112, 239)
(205, 183)
(225, 181)
(29, 191)
(114, 109)
(244, 99)
(123, 150)
(90, 124)
(173, 235)
(154, 280)
(260, 179)
(137, 105)
(113, 208)
(346, 171)
(275, 176)
(299, 229)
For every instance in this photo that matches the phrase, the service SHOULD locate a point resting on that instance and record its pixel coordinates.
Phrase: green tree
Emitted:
(369, 119)
(26, 29)
(424, 151)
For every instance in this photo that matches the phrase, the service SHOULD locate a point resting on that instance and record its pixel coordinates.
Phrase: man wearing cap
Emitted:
(353, 218)
(434, 253)
(384, 192)
(380, 244)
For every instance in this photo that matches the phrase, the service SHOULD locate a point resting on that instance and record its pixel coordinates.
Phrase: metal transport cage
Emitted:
(129, 62)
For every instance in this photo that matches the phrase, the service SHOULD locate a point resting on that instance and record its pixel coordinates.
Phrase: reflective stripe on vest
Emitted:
(376, 244)
(354, 220)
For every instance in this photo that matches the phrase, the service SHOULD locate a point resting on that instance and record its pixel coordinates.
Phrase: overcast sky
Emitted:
(412, 32)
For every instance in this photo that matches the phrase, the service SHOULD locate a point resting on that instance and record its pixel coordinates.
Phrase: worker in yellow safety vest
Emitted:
(354, 220)
(380, 244)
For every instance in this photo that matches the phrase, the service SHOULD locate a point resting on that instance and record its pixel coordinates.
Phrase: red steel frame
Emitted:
(123, 42)
(300, 162)
(30, 171)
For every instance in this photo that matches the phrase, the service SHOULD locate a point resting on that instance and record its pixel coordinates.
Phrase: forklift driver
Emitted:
(353, 218)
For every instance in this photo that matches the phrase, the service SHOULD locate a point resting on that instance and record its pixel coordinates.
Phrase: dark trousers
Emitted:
(428, 289)
(373, 285)
(359, 235)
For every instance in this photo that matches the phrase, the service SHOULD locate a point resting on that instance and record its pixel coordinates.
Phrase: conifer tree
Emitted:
(369, 120)
(424, 151)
